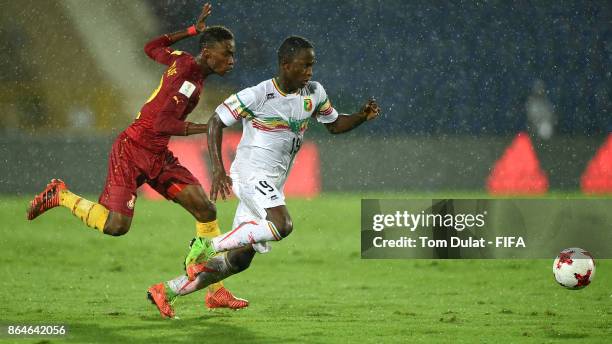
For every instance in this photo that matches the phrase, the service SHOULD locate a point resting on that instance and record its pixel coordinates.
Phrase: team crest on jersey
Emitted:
(308, 104)
(130, 203)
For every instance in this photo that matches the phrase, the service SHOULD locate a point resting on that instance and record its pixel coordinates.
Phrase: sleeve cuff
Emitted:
(226, 115)
(332, 117)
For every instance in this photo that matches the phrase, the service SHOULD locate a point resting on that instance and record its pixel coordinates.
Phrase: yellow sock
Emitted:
(209, 230)
(94, 215)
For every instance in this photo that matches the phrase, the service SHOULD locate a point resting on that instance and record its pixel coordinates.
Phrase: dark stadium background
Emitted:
(457, 67)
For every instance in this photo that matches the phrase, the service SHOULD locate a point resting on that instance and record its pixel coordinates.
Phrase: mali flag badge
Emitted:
(308, 104)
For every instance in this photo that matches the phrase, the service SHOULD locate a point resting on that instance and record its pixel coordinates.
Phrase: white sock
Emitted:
(217, 269)
(247, 233)
(181, 285)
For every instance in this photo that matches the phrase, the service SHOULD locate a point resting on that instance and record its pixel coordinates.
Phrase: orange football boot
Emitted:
(157, 295)
(49, 198)
(223, 298)
(194, 270)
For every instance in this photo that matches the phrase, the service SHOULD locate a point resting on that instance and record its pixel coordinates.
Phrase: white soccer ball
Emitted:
(574, 268)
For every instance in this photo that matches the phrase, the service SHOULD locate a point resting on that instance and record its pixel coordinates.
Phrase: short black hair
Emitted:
(291, 46)
(215, 34)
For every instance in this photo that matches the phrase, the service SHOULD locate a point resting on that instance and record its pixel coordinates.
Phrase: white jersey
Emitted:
(273, 127)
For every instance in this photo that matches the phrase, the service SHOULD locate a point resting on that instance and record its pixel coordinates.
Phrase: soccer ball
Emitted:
(574, 268)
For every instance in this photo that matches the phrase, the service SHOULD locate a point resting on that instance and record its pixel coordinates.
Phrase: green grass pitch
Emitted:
(312, 287)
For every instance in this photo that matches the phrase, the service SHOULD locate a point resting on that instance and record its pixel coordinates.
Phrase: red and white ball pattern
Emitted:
(574, 268)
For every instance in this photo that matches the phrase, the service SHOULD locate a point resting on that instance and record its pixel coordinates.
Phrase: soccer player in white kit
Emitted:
(274, 114)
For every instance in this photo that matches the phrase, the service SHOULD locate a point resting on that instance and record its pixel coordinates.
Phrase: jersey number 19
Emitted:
(296, 143)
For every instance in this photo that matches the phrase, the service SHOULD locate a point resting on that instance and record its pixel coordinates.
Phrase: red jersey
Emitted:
(164, 113)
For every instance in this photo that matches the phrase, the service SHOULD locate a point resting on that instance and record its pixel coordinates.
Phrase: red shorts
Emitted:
(131, 165)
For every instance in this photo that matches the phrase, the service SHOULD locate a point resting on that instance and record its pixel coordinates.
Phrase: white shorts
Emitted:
(256, 194)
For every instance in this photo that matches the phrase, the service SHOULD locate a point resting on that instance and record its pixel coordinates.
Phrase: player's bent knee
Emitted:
(285, 227)
(116, 230)
(117, 226)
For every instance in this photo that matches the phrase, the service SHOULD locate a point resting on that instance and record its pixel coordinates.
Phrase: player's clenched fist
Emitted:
(371, 109)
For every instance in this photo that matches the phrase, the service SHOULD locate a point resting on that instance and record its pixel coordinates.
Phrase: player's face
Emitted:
(220, 56)
(299, 71)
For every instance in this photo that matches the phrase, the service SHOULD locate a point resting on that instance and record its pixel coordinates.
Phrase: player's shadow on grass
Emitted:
(156, 330)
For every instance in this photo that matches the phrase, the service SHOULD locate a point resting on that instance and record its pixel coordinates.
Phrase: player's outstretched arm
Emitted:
(221, 182)
(344, 124)
(157, 49)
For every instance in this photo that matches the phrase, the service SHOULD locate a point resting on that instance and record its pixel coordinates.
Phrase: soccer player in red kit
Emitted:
(140, 153)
